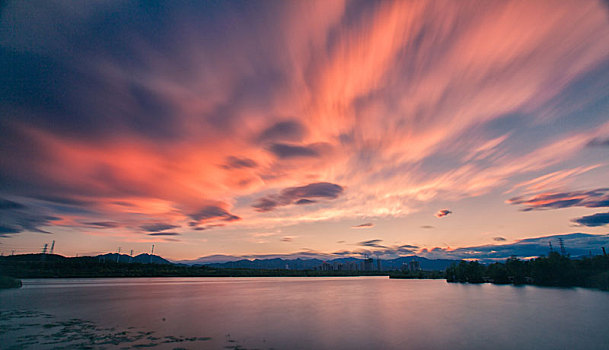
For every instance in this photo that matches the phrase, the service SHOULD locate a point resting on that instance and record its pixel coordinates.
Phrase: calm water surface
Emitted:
(301, 313)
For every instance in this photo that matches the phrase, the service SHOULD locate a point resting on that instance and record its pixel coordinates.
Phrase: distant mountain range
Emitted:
(309, 264)
(575, 244)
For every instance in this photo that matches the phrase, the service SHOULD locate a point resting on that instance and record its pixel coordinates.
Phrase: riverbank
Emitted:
(87, 267)
(421, 274)
(9, 282)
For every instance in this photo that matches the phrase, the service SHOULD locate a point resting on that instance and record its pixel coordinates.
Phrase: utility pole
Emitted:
(52, 246)
(118, 256)
(151, 254)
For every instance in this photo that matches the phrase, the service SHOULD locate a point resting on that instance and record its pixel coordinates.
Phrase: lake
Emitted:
(299, 313)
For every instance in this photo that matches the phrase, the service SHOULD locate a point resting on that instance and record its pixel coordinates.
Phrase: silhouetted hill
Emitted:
(142, 258)
(36, 257)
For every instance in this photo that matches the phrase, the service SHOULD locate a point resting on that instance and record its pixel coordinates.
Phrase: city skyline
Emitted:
(328, 127)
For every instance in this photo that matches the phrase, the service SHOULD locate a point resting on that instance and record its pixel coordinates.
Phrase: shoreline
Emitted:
(7, 282)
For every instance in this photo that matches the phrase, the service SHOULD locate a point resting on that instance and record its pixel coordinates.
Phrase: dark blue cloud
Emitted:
(299, 195)
(265, 204)
(103, 224)
(372, 243)
(212, 213)
(238, 163)
(289, 130)
(8, 229)
(314, 190)
(164, 234)
(285, 151)
(16, 217)
(5, 204)
(304, 201)
(597, 141)
(595, 220)
(157, 227)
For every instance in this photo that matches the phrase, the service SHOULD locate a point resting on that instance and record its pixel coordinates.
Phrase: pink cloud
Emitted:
(365, 101)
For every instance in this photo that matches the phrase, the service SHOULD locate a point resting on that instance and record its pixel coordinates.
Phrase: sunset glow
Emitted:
(310, 127)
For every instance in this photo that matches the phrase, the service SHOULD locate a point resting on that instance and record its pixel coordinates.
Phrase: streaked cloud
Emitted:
(555, 200)
(233, 162)
(103, 224)
(16, 217)
(158, 227)
(163, 234)
(364, 225)
(372, 243)
(299, 195)
(288, 130)
(175, 117)
(597, 141)
(211, 213)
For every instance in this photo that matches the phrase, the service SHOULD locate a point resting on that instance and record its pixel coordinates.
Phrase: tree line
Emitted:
(552, 270)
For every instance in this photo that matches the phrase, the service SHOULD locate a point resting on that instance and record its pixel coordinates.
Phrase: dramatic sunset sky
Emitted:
(276, 127)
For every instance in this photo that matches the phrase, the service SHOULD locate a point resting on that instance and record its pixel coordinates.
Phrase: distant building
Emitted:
(326, 267)
(367, 264)
(411, 266)
(350, 266)
(364, 265)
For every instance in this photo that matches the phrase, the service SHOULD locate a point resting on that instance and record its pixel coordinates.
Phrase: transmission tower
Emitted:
(562, 246)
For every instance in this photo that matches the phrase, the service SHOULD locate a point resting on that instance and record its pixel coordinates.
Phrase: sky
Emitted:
(278, 127)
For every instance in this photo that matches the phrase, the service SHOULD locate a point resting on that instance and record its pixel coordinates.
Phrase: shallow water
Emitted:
(299, 313)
